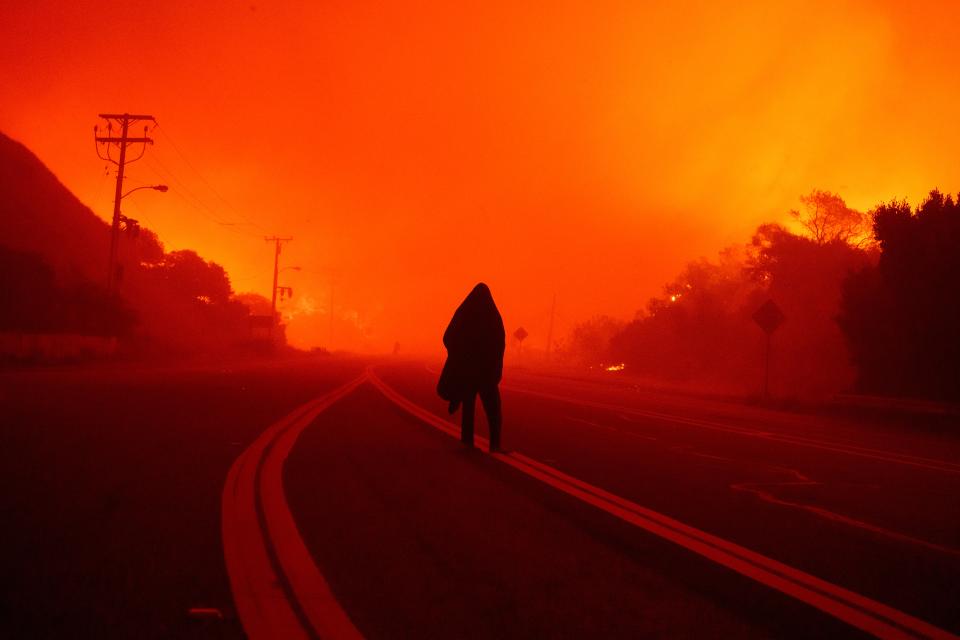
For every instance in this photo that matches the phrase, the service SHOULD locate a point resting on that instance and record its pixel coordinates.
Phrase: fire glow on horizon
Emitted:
(587, 151)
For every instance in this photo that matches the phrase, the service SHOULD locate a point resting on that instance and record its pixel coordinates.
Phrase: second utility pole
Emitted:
(553, 312)
(276, 272)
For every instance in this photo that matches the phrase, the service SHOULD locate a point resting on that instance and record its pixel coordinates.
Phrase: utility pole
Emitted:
(331, 314)
(278, 242)
(123, 120)
(553, 310)
(334, 274)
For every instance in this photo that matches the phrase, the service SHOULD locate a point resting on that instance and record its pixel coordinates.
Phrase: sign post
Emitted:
(768, 317)
(520, 334)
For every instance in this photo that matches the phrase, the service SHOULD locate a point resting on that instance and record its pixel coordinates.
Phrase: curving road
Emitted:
(325, 498)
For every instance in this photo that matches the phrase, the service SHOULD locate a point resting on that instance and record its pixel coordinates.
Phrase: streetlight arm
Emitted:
(156, 187)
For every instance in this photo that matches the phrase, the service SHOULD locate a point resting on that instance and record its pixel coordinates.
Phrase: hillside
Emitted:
(38, 214)
(55, 251)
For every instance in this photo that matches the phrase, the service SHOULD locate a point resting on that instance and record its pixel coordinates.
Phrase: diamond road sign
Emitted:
(520, 334)
(769, 317)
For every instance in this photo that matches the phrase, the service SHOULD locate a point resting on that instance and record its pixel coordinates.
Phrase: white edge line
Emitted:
(854, 609)
(786, 438)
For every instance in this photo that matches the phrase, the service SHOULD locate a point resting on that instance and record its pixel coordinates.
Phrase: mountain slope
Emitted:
(38, 214)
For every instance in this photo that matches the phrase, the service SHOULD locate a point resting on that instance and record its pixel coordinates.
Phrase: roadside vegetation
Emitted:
(870, 299)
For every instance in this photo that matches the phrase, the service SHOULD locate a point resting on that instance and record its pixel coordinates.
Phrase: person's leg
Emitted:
(466, 418)
(490, 398)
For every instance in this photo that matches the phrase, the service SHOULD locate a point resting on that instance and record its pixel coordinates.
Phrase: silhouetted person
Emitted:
(475, 342)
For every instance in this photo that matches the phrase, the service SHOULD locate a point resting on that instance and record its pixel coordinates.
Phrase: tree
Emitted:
(147, 248)
(256, 303)
(187, 306)
(701, 330)
(827, 218)
(590, 341)
(194, 277)
(697, 329)
(901, 317)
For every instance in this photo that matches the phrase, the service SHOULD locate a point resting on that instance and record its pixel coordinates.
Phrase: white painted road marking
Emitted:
(786, 438)
(852, 608)
(280, 592)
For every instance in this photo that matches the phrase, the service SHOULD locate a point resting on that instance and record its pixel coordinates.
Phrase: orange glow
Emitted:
(411, 151)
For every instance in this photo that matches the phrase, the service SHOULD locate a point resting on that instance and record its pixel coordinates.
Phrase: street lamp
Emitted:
(156, 187)
(130, 226)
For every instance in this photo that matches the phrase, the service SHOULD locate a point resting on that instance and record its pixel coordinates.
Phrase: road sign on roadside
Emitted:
(769, 317)
(520, 334)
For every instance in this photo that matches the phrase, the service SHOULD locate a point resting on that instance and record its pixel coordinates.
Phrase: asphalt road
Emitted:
(112, 486)
(870, 506)
(111, 489)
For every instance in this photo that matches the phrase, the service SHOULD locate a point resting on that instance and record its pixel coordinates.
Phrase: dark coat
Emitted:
(475, 342)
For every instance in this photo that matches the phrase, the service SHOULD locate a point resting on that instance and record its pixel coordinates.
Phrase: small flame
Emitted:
(615, 367)
(305, 306)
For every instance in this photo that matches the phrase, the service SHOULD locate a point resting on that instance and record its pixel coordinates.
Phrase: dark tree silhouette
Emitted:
(701, 329)
(194, 277)
(589, 342)
(901, 317)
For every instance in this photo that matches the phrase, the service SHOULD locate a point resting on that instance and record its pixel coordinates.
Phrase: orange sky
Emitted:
(587, 150)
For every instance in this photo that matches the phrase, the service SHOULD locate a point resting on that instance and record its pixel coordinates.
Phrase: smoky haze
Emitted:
(412, 152)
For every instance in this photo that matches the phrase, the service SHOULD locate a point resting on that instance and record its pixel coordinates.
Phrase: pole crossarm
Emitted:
(130, 117)
(115, 140)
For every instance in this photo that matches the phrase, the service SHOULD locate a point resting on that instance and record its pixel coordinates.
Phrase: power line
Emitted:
(194, 201)
(186, 160)
(166, 173)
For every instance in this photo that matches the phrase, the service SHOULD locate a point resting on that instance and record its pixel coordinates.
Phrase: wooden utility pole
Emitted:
(122, 142)
(331, 314)
(553, 310)
(278, 242)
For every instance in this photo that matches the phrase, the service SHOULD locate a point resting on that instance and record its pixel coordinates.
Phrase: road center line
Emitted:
(852, 608)
(278, 590)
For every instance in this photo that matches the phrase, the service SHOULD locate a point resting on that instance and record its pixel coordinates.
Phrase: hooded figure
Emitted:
(475, 342)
